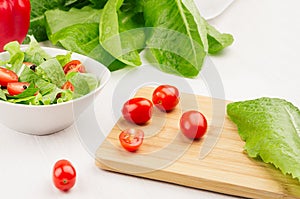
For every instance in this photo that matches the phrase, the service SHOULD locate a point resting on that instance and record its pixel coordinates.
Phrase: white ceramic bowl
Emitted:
(42, 120)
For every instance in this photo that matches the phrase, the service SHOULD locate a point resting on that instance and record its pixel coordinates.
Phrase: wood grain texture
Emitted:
(166, 155)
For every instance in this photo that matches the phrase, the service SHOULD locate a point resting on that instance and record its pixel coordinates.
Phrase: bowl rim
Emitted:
(105, 72)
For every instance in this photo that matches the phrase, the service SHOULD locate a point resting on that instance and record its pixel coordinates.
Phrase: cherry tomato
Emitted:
(131, 139)
(165, 97)
(15, 88)
(7, 76)
(68, 86)
(74, 66)
(64, 175)
(193, 124)
(137, 110)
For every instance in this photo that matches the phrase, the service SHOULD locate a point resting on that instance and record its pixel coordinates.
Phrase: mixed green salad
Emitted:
(36, 78)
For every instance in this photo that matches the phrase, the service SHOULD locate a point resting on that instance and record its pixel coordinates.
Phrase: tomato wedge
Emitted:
(68, 86)
(15, 88)
(7, 76)
(131, 139)
(74, 66)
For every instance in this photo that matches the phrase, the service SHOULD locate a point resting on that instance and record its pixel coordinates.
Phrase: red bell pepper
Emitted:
(14, 21)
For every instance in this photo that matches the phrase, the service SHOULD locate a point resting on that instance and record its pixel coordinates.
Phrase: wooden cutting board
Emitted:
(222, 166)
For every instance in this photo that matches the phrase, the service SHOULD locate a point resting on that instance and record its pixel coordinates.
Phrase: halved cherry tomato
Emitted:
(7, 76)
(64, 175)
(15, 88)
(131, 139)
(68, 86)
(137, 110)
(74, 66)
(193, 124)
(165, 97)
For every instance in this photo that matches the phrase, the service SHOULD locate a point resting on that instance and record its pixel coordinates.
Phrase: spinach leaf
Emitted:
(174, 41)
(271, 129)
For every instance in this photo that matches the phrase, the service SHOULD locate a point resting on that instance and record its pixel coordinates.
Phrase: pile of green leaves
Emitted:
(114, 32)
(271, 129)
(47, 79)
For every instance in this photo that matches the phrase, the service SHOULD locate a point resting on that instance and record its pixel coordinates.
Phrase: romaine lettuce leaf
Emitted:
(83, 84)
(121, 45)
(54, 72)
(16, 56)
(175, 41)
(217, 41)
(34, 53)
(80, 35)
(39, 7)
(271, 129)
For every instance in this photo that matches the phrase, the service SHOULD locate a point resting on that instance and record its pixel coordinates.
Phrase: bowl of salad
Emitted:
(43, 89)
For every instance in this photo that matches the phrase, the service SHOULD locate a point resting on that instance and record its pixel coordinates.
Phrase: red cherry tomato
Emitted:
(137, 110)
(165, 97)
(193, 124)
(131, 139)
(64, 175)
(68, 86)
(74, 66)
(7, 76)
(15, 88)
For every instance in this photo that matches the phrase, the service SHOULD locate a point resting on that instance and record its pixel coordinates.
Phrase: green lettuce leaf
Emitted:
(121, 45)
(217, 41)
(271, 129)
(39, 7)
(16, 56)
(80, 34)
(54, 71)
(175, 41)
(34, 53)
(83, 84)
(2, 95)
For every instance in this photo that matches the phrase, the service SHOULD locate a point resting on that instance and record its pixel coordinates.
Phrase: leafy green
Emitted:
(54, 71)
(217, 41)
(271, 129)
(175, 42)
(114, 32)
(80, 34)
(83, 83)
(16, 56)
(121, 46)
(34, 53)
(39, 7)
